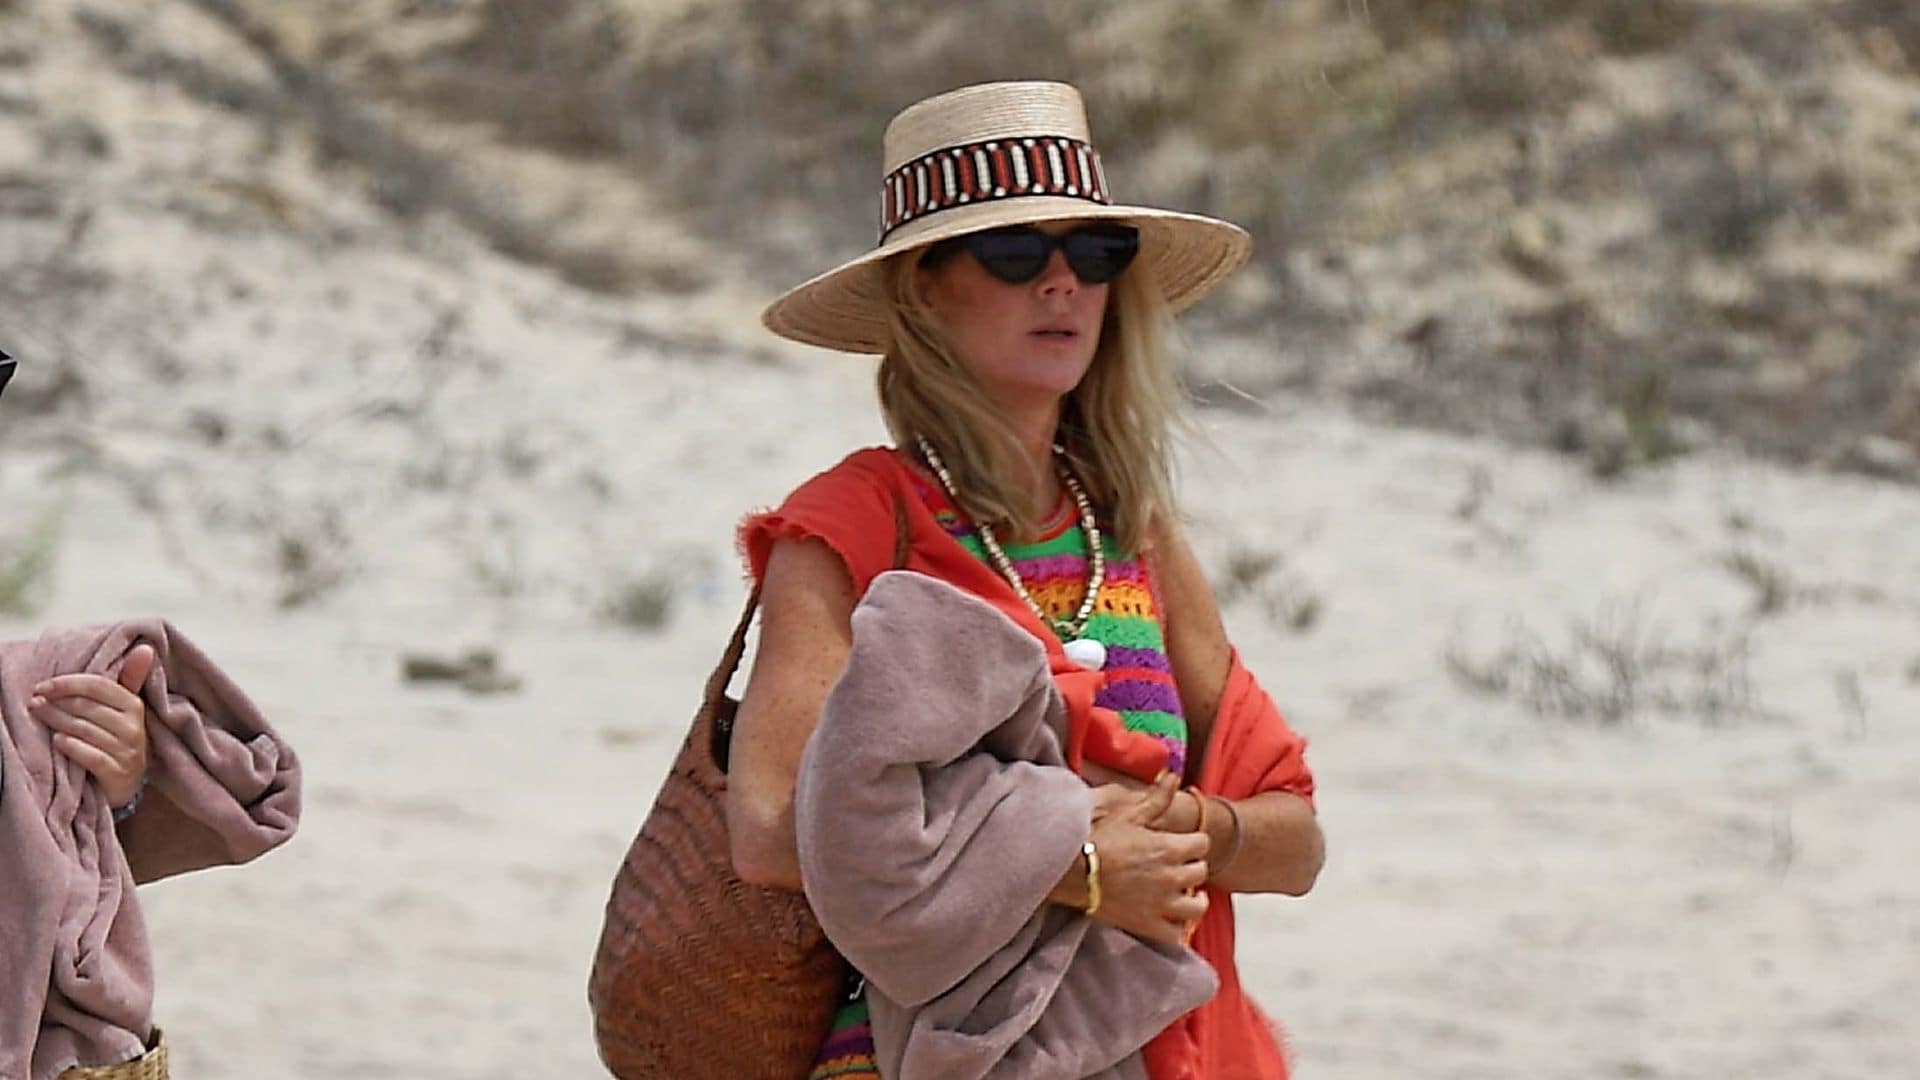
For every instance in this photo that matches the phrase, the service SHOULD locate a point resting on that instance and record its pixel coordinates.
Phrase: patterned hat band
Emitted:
(988, 172)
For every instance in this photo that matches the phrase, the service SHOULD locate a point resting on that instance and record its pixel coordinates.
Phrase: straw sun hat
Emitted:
(980, 157)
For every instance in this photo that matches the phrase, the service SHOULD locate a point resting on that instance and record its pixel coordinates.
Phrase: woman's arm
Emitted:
(806, 612)
(1280, 846)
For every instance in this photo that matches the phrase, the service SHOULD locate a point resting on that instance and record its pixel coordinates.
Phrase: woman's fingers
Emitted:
(1187, 909)
(1185, 847)
(1111, 799)
(1151, 880)
(123, 755)
(94, 759)
(1156, 800)
(89, 688)
(1140, 803)
(137, 666)
(65, 722)
(1189, 875)
(86, 711)
(117, 771)
(108, 744)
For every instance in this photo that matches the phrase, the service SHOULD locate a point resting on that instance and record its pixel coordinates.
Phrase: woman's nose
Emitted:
(1058, 277)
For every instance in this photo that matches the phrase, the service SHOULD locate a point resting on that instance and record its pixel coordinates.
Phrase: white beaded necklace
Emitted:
(1084, 651)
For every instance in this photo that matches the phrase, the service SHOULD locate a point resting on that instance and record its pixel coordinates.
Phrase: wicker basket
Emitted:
(150, 1066)
(699, 975)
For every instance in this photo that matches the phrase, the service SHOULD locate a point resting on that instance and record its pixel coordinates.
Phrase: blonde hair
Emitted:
(1118, 426)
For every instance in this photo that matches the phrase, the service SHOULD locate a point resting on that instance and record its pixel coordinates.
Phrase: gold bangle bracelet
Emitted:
(1093, 876)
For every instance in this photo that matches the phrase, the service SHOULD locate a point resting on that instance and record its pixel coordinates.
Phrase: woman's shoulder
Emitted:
(873, 466)
(864, 478)
(848, 506)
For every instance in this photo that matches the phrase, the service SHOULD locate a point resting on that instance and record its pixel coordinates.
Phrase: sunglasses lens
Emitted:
(1099, 253)
(1012, 255)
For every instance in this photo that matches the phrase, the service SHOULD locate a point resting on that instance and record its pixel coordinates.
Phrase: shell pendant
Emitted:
(1087, 653)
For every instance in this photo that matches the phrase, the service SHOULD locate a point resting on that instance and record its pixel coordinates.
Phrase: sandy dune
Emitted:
(319, 442)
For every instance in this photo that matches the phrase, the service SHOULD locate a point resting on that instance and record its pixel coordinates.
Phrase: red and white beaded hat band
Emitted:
(989, 170)
(982, 157)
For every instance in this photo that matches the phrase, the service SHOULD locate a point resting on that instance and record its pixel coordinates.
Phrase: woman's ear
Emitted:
(926, 286)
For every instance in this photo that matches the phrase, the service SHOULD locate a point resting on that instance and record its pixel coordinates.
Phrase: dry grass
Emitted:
(1327, 127)
(1260, 577)
(1892, 21)
(407, 175)
(1773, 587)
(1262, 112)
(1632, 27)
(311, 561)
(1613, 670)
(644, 604)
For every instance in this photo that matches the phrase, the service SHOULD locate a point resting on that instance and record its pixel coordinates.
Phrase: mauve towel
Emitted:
(934, 813)
(76, 973)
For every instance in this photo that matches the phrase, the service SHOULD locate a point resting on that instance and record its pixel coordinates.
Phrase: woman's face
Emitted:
(1028, 344)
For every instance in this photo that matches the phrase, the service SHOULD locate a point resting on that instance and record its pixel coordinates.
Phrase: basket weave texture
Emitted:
(700, 975)
(150, 1066)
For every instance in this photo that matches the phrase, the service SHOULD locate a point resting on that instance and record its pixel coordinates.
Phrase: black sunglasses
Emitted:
(6, 370)
(1017, 254)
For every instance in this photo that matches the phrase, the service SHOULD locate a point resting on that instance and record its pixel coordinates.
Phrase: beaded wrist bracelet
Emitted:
(122, 813)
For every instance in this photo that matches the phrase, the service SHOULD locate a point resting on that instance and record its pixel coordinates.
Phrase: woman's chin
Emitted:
(1031, 376)
(1056, 368)
(1049, 388)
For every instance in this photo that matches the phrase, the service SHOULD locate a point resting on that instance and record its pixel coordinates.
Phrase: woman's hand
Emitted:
(101, 724)
(1149, 879)
(1183, 810)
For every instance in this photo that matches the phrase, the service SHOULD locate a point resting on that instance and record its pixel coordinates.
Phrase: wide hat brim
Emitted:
(846, 307)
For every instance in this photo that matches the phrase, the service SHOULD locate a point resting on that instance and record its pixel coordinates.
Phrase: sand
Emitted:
(319, 441)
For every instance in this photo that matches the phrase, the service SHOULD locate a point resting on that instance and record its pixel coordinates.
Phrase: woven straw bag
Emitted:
(150, 1066)
(698, 974)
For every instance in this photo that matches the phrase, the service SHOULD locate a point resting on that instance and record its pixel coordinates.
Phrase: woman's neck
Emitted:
(1036, 429)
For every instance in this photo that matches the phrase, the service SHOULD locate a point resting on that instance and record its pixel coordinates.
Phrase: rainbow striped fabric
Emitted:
(1125, 618)
(849, 1048)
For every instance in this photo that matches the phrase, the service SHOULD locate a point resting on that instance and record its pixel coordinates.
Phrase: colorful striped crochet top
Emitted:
(1126, 617)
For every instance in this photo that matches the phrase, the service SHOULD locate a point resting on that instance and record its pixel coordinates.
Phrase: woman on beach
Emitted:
(1022, 316)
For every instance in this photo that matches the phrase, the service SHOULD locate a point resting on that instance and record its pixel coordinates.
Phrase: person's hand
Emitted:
(101, 724)
(1183, 810)
(1149, 879)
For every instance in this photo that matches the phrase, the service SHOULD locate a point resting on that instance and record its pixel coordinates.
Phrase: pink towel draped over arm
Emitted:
(934, 813)
(76, 971)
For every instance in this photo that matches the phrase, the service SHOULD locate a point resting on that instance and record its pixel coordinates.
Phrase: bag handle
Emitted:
(729, 664)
